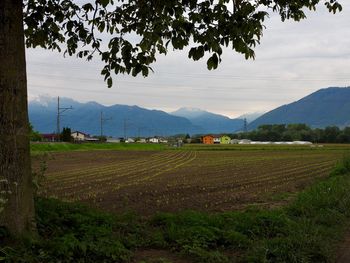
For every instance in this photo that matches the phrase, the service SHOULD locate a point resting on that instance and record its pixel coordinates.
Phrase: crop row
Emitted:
(112, 178)
(73, 174)
(190, 179)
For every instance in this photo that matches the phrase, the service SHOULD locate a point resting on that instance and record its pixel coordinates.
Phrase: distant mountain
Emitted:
(189, 113)
(210, 122)
(322, 108)
(251, 116)
(85, 117)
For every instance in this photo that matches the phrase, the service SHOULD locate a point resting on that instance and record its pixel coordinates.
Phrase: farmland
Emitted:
(200, 178)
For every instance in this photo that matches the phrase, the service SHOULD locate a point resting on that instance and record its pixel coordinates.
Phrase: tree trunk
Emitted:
(15, 170)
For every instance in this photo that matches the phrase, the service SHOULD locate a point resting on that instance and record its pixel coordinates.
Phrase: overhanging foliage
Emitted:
(128, 35)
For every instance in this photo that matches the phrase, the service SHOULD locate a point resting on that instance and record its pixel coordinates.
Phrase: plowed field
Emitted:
(150, 181)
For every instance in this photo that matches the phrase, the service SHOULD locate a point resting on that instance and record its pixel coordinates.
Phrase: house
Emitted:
(153, 140)
(162, 140)
(130, 140)
(142, 140)
(234, 141)
(225, 139)
(208, 139)
(49, 137)
(216, 140)
(79, 136)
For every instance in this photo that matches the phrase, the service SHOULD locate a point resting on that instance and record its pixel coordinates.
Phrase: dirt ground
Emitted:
(169, 181)
(158, 256)
(344, 250)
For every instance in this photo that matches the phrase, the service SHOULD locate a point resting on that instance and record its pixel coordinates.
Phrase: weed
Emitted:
(304, 231)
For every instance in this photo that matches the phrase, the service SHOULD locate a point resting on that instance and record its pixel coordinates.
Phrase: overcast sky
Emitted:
(293, 60)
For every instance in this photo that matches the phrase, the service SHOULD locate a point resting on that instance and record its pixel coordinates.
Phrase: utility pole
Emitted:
(60, 110)
(245, 128)
(102, 120)
(139, 129)
(124, 126)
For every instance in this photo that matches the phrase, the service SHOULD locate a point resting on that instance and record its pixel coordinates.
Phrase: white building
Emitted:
(244, 141)
(130, 140)
(153, 140)
(91, 139)
(113, 140)
(79, 136)
(162, 140)
(234, 141)
(302, 143)
(216, 140)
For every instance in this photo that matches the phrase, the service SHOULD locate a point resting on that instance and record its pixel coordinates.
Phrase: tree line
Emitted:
(64, 136)
(296, 132)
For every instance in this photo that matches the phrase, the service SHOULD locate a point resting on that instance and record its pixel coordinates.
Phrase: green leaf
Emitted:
(104, 3)
(145, 71)
(101, 26)
(88, 7)
(110, 82)
(213, 62)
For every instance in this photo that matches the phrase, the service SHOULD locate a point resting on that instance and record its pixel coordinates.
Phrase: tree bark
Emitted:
(15, 169)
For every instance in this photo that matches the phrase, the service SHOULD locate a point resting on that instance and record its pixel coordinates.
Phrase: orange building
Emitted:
(208, 139)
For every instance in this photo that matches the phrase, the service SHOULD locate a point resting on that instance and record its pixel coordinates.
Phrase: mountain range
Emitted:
(325, 107)
(213, 123)
(123, 120)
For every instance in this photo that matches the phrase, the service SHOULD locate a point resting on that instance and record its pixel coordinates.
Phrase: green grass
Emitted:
(306, 230)
(37, 148)
(59, 147)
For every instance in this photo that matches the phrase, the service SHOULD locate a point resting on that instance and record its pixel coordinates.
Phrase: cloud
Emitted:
(293, 60)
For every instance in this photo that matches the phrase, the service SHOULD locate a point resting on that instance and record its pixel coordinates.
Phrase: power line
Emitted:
(245, 127)
(60, 110)
(199, 97)
(202, 76)
(102, 121)
(125, 127)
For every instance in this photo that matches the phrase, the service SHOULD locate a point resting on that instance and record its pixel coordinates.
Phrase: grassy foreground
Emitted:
(60, 147)
(307, 230)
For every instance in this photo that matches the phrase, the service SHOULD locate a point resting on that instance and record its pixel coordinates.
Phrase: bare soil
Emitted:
(344, 250)
(170, 181)
(158, 256)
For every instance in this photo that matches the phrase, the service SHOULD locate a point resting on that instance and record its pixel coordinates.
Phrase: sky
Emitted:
(293, 60)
